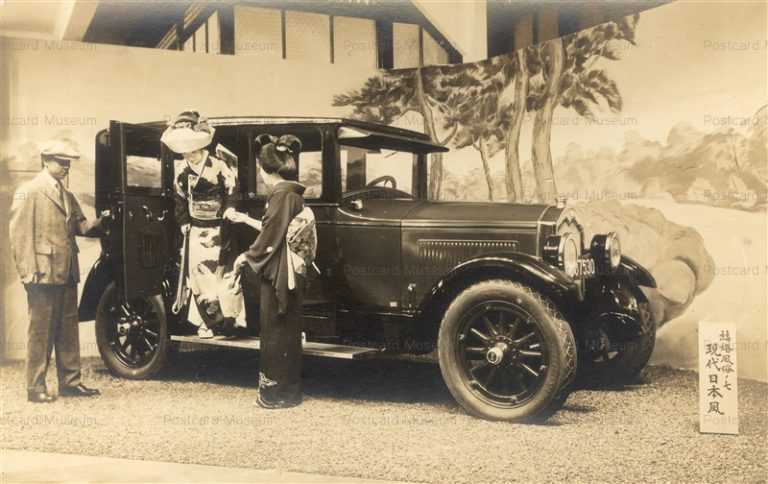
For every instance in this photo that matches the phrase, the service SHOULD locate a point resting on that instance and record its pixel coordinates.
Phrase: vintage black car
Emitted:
(511, 297)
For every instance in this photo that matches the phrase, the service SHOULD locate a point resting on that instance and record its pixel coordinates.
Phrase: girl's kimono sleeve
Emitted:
(181, 204)
(228, 180)
(283, 206)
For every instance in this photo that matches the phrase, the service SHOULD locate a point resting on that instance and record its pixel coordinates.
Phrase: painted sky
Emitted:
(703, 63)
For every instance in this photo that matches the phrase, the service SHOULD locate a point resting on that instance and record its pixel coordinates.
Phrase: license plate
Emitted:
(586, 267)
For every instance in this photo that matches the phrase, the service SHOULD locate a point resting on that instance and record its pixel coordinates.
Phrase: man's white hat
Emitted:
(63, 149)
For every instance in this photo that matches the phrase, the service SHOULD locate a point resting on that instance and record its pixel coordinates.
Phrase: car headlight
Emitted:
(606, 250)
(563, 251)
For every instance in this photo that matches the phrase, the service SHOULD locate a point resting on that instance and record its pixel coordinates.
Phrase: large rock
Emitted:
(675, 255)
(676, 281)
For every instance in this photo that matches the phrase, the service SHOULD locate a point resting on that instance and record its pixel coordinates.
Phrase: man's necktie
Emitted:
(62, 198)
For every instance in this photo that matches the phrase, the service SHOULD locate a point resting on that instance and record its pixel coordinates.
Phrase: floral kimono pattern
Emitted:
(202, 195)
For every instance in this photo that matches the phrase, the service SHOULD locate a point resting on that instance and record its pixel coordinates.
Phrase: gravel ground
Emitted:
(388, 420)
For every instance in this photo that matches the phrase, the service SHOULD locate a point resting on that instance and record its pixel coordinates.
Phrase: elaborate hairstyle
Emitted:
(279, 155)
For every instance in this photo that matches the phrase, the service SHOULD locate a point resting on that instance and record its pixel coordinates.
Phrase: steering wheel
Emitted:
(383, 180)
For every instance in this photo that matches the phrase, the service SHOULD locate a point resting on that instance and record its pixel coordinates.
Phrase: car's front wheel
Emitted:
(132, 336)
(505, 352)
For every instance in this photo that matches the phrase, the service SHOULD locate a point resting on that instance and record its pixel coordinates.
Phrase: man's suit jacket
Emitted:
(43, 230)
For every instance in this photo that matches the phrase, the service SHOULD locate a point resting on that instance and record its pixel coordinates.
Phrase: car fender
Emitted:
(99, 277)
(518, 267)
(635, 273)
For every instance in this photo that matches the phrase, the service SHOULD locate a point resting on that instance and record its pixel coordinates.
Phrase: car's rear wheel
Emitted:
(505, 352)
(132, 336)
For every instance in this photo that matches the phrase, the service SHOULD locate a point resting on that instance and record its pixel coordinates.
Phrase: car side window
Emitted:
(311, 173)
(143, 159)
(143, 172)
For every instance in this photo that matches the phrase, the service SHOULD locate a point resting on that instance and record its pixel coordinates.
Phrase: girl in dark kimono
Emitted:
(280, 307)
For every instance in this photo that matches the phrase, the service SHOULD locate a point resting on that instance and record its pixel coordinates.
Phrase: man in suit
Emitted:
(45, 218)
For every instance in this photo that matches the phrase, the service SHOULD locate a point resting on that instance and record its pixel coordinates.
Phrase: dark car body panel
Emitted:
(146, 239)
(429, 253)
(99, 277)
(369, 251)
(438, 237)
(636, 274)
(488, 214)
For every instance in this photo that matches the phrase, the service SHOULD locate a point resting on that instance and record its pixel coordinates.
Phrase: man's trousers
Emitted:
(53, 323)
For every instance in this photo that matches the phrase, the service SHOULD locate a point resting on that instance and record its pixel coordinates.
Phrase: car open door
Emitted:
(145, 218)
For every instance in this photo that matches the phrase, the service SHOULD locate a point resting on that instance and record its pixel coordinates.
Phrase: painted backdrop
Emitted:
(653, 124)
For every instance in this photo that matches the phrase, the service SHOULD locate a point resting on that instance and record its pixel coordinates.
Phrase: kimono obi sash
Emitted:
(205, 209)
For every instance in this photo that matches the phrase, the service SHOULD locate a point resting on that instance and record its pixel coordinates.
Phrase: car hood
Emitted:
(480, 214)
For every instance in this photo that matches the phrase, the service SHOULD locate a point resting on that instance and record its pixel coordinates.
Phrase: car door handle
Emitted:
(150, 216)
(147, 212)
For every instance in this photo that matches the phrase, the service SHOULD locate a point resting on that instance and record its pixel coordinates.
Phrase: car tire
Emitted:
(565, 390)
(132, 339)
(625, 364)
(526, 324)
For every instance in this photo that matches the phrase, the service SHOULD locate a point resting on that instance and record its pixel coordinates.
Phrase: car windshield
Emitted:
(391, 170)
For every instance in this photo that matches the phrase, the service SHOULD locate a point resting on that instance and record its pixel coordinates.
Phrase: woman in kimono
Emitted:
(280, 307)
(204, 194)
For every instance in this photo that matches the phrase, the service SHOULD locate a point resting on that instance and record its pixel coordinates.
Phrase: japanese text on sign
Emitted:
(718, 400)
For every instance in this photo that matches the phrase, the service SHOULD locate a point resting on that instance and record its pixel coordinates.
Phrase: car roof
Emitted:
(258, 120)
(386, 136)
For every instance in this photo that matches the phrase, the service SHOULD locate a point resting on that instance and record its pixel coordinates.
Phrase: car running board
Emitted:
(311, 348)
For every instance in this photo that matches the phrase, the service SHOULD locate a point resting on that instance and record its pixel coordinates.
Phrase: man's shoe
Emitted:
(78, 391)
(40, 397)
(276, 405)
